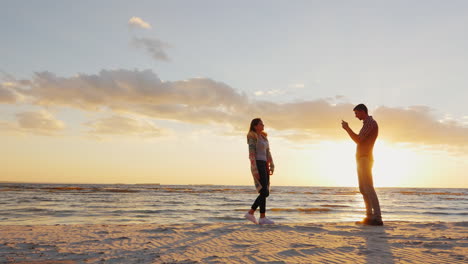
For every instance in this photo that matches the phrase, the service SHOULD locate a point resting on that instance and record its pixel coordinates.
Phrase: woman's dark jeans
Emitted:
(264, 181)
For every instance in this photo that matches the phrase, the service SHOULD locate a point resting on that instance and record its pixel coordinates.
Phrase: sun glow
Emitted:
(335, 162)
(393, 166)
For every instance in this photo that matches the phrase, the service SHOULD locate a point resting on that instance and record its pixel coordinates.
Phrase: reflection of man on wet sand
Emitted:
(364, 158)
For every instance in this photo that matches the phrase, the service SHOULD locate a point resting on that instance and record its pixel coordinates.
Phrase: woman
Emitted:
(261, 165)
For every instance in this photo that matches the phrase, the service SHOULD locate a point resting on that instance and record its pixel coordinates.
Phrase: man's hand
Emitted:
(350, 132)
(344, 124)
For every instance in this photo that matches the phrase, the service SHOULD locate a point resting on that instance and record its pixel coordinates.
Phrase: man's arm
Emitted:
(366, 130)
(354, 136)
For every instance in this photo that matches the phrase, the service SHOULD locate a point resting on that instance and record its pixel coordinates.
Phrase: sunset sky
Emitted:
(164, 91)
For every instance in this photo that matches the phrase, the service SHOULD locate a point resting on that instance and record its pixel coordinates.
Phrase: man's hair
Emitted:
(360, 107)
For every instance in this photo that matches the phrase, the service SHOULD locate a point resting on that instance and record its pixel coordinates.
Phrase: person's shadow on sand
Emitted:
(377, 248)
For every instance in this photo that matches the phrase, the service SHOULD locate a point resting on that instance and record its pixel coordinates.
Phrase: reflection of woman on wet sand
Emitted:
(261, 164)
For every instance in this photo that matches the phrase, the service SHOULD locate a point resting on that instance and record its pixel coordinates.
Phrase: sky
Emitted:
(164, 91)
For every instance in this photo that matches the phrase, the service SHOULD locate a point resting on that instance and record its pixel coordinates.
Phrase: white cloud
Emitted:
(270, 92)
(418, 125)
(275, 92)
(465, 120)
(155, 47)
(126, 88)
(38, 122)
(7, 95)
(138, 22)
(121, 125)
(297, 85)
(42, 120)
(205, 101)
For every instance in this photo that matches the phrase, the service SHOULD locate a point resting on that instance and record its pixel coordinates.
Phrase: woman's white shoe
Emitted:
(265, 221)
(251, 218)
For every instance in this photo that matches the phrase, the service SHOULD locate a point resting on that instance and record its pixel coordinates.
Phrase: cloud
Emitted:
(155, 47)
(418, 125)
(121, 125)
(7, 95)
(318, 118)
(40, 120)
(37, 122)
(205, 101)
(126, 89)
(297, 85)
(138, 22)
(270, 92)
(6, 126)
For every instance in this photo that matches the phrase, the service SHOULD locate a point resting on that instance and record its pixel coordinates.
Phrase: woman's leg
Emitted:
(260, 201)
(264, 192)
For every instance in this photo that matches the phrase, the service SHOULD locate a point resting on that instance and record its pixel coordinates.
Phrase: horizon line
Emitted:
(210, 184)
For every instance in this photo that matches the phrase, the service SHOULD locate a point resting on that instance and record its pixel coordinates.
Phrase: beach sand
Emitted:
(396, 242)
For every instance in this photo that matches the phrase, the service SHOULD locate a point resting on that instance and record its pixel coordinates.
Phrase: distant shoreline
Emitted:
(161, 184)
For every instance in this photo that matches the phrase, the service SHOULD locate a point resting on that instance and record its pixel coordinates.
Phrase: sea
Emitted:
(51, 204)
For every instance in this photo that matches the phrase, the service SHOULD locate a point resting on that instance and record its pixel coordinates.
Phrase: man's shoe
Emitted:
(370, 221)
(365, 221)
(376, 222)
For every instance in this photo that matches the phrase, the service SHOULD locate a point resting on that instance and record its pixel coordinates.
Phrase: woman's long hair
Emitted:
(252, 131)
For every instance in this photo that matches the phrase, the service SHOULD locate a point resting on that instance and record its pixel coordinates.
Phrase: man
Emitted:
(364, 158)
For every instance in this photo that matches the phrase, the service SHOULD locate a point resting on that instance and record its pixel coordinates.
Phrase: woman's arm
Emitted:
(252, 156)
(271, 164)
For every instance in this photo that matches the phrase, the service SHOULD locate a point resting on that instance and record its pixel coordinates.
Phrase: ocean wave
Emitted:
(432, 193)
(192, 190)
(444, 213)
(70, 189)
(9, 189)
(42, 199)
(43, 211)
(118, 190)
(20, 201)
(302, 192)
(29, 210)
(321, 192)
(174, 202)
(304, 210)
(145, 211)
(143, 216)
(224, 218)
(75, 203)
(66, 188)
(347, 193)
